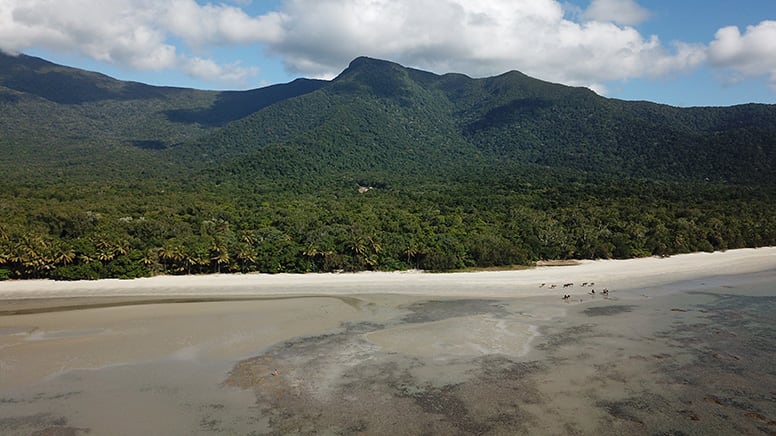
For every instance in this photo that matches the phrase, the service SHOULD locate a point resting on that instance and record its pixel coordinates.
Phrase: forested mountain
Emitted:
(54, 117)
(104, 178)
(377, 114)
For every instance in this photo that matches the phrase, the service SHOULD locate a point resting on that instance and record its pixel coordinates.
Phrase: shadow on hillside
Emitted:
(233, 105)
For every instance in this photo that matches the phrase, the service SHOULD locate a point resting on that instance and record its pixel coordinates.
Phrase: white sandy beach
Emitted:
(614, 274)
(104, 357)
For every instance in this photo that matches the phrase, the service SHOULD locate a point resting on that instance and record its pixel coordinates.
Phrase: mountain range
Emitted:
(380, 115)
(411, 140)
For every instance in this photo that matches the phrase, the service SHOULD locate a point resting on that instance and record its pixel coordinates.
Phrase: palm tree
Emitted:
(220, 257)
(105, 255)
(358, 246)
(312, 251)
(86, 258)
(245, 254)
(374, 245)
(151, 259)
(64, 255)
(171, 253)
(203, 259)
(189, 259)
(364, 250)
(121, 247)
(412, 252)
(249, 237)
(14, 258)
(35, 255)
(5, 250)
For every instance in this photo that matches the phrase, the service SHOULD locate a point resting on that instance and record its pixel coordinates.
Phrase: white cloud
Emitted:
(107, 30)
(208, 70)
(550, 39)
(477, 38)
(217, 24)
(752, 53)
(625, 12)
(136, 34)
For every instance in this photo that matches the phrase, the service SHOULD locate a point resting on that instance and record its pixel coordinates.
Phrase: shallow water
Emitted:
(685, 358)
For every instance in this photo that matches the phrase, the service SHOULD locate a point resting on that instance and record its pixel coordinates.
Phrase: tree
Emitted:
(171, 254)
(246, 256)
(219, 254)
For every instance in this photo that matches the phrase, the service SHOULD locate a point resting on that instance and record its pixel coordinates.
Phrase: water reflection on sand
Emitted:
(686, 358)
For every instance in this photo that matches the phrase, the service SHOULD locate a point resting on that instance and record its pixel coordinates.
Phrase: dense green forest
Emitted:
(382, 168)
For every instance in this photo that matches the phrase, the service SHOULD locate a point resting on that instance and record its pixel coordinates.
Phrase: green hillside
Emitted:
(379, 117)
(383, 167)
(57, 119)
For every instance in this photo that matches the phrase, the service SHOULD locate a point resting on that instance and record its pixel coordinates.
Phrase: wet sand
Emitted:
(679, 346)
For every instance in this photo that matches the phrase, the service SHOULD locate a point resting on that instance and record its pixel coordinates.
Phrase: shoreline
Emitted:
(686, 336)
(538, 281)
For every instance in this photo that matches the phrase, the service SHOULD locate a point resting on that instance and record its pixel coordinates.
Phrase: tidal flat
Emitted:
(687, 357)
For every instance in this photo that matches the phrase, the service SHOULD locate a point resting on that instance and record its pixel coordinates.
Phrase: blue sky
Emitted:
(679, 52)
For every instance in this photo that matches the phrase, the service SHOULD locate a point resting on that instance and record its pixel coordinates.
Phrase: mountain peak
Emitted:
(363, 61)
(369, 66)
(378, 77)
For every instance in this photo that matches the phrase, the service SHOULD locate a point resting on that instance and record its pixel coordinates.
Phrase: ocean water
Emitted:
(693, 357)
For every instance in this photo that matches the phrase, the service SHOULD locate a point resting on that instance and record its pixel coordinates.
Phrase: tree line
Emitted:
(129, 234)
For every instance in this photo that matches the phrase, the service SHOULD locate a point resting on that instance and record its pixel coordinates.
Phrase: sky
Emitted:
(677, 52)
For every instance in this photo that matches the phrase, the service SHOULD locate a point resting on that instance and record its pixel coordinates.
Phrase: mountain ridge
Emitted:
(524, 120)
(510, 117)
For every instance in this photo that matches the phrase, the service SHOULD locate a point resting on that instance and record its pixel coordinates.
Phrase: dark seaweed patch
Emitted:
(437, 310)
(608, 310)
(445, 401)
(567, 336)
(39, 424)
